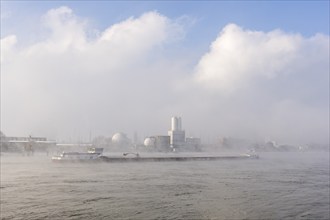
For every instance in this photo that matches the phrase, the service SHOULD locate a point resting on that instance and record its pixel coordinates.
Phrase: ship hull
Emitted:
(174, 158)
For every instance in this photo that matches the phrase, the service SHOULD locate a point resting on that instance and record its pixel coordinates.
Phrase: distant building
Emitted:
(177, 135)
(26, 144)
(175, 140)
(158, 143)
(193, 143)
(162, 143)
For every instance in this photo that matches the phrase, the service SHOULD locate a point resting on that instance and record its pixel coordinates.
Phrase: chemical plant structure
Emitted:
(175, 140)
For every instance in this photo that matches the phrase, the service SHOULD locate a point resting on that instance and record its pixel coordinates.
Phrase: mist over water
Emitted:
(110, 74)
(277, 186)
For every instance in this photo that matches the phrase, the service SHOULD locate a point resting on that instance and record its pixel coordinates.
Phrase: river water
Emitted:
(276, 186)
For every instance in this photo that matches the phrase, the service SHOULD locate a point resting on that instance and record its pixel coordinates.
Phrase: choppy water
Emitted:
(277, 186)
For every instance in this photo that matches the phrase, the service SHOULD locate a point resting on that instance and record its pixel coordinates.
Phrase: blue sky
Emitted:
(249, 69)
(305, 17)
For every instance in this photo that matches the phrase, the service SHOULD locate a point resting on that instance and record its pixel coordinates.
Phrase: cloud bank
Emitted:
(129, 77)
(240, 56)
(274, 84)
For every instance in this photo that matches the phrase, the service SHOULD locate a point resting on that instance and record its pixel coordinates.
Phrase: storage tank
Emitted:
(174, 124)
(149, 142)
(120, 139)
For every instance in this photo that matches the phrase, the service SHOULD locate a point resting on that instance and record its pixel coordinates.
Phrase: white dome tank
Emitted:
(119, 138)
(149, 142)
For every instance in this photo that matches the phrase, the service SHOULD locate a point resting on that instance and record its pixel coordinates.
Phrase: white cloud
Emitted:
(7, 47)
(129, 78)
(272, 84)
(133, 30)
(68, 83)
(239, 56)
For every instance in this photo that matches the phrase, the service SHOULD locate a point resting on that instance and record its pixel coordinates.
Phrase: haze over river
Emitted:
(276, 186)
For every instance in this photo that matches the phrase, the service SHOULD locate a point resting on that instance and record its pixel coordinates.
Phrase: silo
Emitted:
(174, 123)
(179, 124)
(177, 135)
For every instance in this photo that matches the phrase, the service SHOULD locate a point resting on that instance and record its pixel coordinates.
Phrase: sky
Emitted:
(257, 70)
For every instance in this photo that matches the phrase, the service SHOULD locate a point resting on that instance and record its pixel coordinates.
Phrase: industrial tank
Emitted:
(149, 142)
(176, 123)
(120, 139)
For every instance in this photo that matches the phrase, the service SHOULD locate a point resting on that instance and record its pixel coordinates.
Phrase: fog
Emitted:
(75, 80)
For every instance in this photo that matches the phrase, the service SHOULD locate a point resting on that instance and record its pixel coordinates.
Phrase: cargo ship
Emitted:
(176, 158)
(95, 155)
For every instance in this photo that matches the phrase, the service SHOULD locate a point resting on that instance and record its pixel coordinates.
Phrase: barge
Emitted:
(95, 155)
(176, 158)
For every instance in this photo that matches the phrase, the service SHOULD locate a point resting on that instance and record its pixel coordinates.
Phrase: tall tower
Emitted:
(177, 135)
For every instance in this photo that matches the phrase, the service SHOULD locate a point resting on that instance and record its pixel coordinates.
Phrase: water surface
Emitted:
(277, 186)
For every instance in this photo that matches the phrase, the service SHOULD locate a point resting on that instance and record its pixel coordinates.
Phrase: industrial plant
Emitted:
(174, 141)
(26, 145)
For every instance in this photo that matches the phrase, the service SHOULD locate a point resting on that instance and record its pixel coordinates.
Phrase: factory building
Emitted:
(162, 143)
(26, 144)
(177, 135)
(159, 143)
(193, 143)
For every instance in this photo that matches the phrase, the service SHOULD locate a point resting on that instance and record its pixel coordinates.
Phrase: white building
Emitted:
(177, 135)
